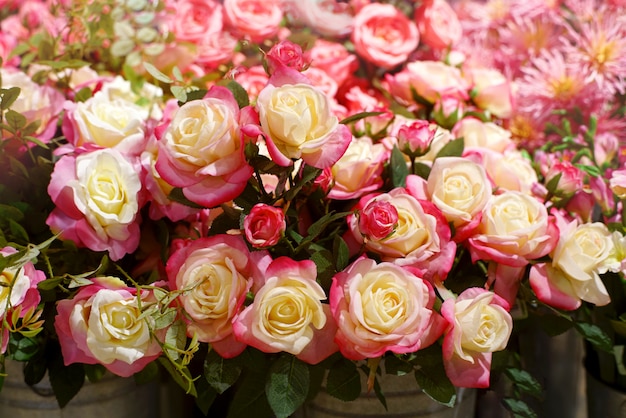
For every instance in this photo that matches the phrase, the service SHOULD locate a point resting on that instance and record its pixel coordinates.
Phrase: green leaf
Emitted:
(308, 174)
(8, 97)
(156, 73)
(519, 408)
(341, 253)
(397, 367)
(240, 94)
(595, 335)
(398, 166)
(249, 400)
(94, 372)
(18, 231)
(359, 116)
(422, 170)
(287, 385)
(324, 264)
(11, 212)
(148, 374)
(83, 94)
(180, 93)
(525, 382)
(66, 381)
(177, 195)
(453, 148)
(15, 120)
(344, 381)
(206, 396)
(431, 376)
(593, 171)
(22, 348)
(175, 337)
(221, 373)
(553, 183)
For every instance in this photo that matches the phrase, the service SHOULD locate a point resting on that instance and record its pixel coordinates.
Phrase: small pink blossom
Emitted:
(378, 220)
(264, 226)
(415, 138)
(286, 53)
(256, 20)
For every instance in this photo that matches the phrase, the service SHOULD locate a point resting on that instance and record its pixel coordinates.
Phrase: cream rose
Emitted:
(479, 324)
(515, 228)
(459, 188)
(478, 134)
(298, 122)
(287, 313)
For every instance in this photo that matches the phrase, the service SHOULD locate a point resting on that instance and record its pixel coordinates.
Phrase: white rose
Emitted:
(13, 287)
(582, 254)
(480, 134)
(148, 98)
(110, 123)
(459, 188)
(480, 326)
(106, 191)
(114, 329)
(299, 122)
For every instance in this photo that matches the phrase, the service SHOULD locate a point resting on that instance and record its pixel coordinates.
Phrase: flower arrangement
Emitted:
(300, 192)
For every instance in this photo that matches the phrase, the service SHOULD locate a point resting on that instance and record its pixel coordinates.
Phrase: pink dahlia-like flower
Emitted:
(102, 324)
(201, 148)
(288, 314)
(478, 324)
(382, 307)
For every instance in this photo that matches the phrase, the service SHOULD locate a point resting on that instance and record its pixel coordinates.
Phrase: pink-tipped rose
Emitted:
(378, 220)
(438, 24)
(287, 313)
(102, 324)
(479, 324)
(382, 307)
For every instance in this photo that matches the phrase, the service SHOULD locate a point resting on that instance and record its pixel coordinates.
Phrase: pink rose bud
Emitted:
(448, 110)
(571, 179)
(415, 139)
(286, 54)
(264, 225)
(378, 220)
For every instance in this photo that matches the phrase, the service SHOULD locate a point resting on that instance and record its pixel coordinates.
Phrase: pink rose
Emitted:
(414, 139)
(334, 59)
(378, 220)
(193, 20)
(421, 238)
(264, 226)
(382, 307)
(98, 196)
(201, 148)
(18, 291)
(287, 313)
(286, 53)
(492, 91)
(359, 170)
(570, 178)
(102, 324)
(617, 183)
(256, 20)
(215, 50)
(438, 24)
(383, 35)
(213, 275)
(298, 122)
(327, 17)
(479, 324)
(430, 79)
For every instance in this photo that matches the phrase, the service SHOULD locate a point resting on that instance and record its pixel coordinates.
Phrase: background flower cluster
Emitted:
(302, 192)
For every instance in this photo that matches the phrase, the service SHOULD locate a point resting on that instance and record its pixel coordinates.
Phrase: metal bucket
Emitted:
(404, 400)
(604, 401)
(111, 397)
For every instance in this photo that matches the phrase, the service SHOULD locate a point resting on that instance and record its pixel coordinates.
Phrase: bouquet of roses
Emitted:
(297, 193)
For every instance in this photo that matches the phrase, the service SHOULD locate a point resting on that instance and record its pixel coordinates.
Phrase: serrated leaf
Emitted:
(397, 367)
(221, 373)
(453, 148)
(156, 73)
(595, 335)
(179, 93)
(398, 167)
(431, 376)
(344, 381)
(249, 400)
(66, 381)
(287, 385)
(525, 382)
(519, 408)
(175, 337)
